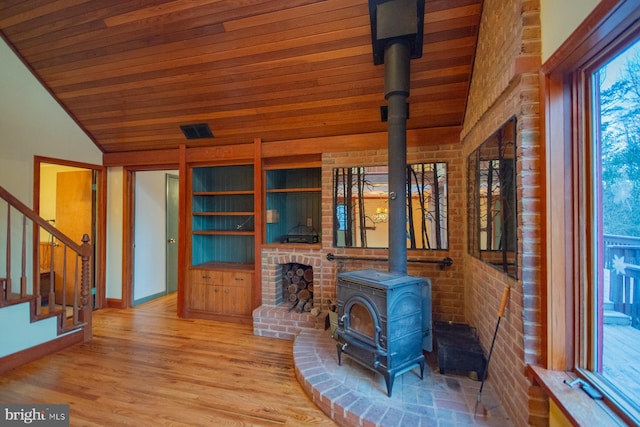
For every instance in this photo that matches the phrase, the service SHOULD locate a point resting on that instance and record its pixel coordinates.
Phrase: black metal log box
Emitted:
(458, 349)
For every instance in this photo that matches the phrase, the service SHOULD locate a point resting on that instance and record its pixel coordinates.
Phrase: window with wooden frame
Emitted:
(591, 90)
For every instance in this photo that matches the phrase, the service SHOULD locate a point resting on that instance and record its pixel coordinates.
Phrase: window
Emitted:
(592, 143)
(615, 223)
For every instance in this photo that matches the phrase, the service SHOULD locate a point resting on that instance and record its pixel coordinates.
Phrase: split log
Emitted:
(308, 275)
(304, 294)
(301, 304)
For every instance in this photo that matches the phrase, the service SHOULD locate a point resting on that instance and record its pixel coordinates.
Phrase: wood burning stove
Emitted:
(380, 314)
(380, 321)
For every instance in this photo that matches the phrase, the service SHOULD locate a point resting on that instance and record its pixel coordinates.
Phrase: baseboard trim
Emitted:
(148, 298)
(33, 353)
(115, 303)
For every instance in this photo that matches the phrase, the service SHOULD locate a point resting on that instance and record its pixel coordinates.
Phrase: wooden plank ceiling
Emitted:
(132, 71)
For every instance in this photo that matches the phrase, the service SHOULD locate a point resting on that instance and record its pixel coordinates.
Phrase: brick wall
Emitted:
(447, 284)
(274, 319)
(502, 87)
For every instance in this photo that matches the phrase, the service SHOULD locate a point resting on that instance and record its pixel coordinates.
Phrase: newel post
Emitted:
(86, 307)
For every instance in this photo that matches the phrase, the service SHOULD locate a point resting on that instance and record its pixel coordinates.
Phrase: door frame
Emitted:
(128, 216)
(100, 224)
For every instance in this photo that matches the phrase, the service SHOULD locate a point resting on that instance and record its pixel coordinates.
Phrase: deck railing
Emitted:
(622, 259)
(54, 273)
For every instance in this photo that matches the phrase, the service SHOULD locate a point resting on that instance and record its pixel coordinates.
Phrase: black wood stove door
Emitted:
(362, 320)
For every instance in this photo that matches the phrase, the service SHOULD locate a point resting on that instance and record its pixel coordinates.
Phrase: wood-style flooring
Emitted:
(147, 367)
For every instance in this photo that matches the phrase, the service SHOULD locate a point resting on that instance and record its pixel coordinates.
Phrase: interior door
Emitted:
(172, 233)
(74, 207)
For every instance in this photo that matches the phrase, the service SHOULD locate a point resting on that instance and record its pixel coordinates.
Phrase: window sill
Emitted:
(575, 403)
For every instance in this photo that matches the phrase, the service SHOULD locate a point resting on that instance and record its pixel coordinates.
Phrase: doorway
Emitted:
(155, 229)
(70, 196)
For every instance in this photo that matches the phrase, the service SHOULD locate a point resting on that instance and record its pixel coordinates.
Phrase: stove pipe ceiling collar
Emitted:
(396, 19)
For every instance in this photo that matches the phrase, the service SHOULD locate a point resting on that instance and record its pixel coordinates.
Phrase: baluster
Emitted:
(37, 272)
(23, 275)
(75, 293)
(3, 289)
(63, 288)
(635, 308)
(52, 276)
(8, 278)
(627, 294)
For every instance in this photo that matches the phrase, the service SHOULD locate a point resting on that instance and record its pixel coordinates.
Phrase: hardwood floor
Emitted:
(145, 366)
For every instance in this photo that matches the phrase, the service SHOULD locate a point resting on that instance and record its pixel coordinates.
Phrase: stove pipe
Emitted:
(396, 92)
(396, 38)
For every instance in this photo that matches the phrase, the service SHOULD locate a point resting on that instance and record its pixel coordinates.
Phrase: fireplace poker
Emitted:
(503, 304)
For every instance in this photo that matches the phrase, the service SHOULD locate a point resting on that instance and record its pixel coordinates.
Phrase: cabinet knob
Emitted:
(226, 291)
(171, 241)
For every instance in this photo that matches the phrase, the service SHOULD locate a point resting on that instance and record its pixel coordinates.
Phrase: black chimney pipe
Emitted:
(396, 92)
(397, 36)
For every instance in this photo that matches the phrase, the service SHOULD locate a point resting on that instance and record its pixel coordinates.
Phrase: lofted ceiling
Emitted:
(131, 72)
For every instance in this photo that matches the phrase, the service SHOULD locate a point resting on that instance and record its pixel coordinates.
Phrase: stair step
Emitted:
(616, 318)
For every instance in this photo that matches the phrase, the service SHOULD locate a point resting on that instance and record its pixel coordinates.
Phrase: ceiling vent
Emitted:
(196, 131)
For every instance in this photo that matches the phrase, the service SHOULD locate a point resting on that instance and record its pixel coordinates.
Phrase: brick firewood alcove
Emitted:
(275, 317)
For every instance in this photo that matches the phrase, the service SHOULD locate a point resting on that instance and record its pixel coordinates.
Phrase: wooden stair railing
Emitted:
(48, 297)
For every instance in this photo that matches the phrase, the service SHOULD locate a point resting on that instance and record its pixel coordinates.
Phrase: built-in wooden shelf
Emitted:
(224, 233)
(223, 193)
(225, 266)
(295, 190)
(220, 213)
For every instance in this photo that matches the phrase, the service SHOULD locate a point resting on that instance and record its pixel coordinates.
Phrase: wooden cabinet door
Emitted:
(205, 290)
(220, 292)
(237, 292)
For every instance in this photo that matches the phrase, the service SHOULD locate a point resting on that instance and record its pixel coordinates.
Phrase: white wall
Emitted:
(559, 18)
(149, 275)
(33, 123)
(22, 333)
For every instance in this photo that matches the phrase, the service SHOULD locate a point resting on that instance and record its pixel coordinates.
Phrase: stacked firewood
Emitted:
(298, 285)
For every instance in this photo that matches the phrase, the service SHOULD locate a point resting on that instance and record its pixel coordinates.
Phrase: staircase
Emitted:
(45, 287)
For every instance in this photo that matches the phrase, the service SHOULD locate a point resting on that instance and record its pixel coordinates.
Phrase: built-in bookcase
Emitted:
(222, 222)
(293, 205)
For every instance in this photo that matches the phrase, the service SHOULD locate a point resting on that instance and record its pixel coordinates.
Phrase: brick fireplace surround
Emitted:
(273, 318)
